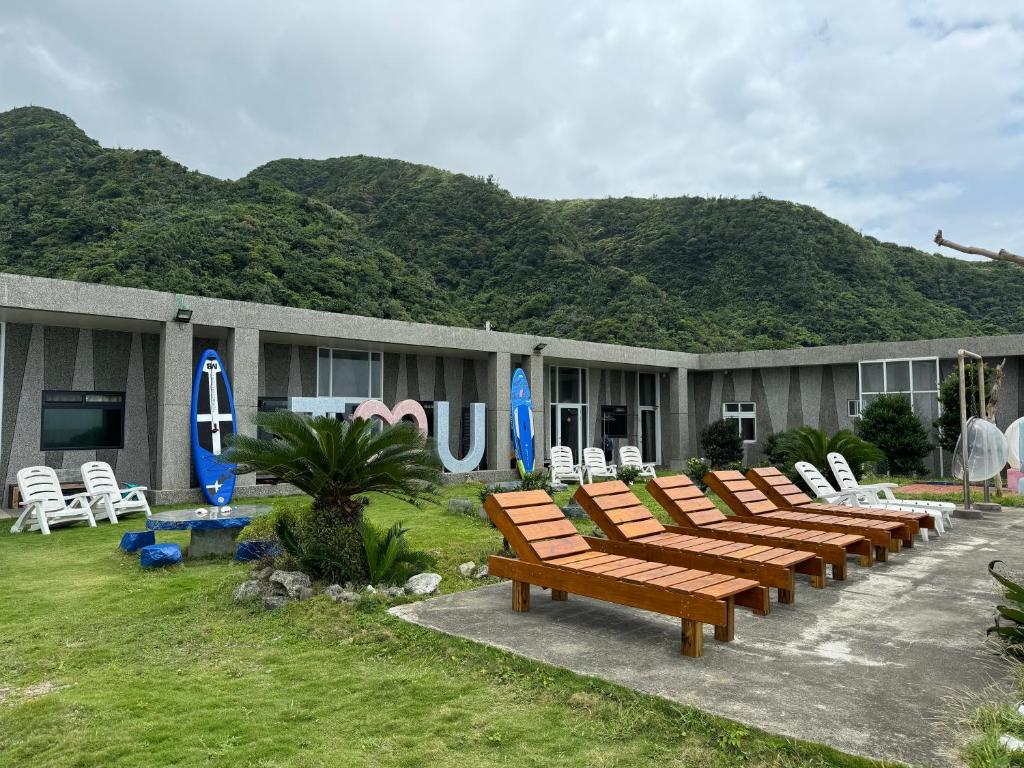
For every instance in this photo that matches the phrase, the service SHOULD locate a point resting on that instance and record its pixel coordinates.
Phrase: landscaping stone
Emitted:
(159, 555)
(463, 506)
(393, 591)
(133, 541)
(467, 568)
(340, 594)
(370, 589)
(482, 572)
(262, 574)
(292, 581)
(273, 602)
(304, 593)
(423, 584)
(248, 590)
(574, 511)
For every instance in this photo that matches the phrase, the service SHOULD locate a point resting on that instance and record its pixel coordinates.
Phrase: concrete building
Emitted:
(99, 372)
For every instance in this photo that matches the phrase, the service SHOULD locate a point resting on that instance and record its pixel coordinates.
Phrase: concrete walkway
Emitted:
(867, 665)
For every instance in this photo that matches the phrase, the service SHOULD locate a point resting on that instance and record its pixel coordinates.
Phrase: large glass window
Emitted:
(347, 373)
(82, 420)
(917, 378)
(744, 415)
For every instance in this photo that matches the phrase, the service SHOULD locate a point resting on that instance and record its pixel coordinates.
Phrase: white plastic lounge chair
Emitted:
(824, 491)
(103, 490)
(630, 456)
(880, 494)
(594, 465)
(45, 504)
(562, 467)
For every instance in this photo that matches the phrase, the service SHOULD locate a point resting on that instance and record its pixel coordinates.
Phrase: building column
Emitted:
(499, 392)
(243, 363)
(678, 421)
(534, 367)
(174, 393)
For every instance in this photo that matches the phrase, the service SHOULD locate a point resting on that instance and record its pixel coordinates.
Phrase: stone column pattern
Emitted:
(499, 392)
(174, 442)
(243, 358)
(678, 420)
(534, 368)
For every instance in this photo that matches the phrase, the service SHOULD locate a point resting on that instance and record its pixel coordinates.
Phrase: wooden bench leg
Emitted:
(839, 571)
(819, 578)
(865, 560)
(895, 545)
(693, 638)
(520, 596)
(727, 632)
(882, 554)
(557, 594)
(786, 596)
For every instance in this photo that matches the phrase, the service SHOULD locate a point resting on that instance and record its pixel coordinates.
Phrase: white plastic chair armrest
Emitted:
(134, 488)
(877, 486)
(82, 495)
(832, 498)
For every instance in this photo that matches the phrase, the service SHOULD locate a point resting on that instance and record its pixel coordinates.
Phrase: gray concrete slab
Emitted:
(868, 665)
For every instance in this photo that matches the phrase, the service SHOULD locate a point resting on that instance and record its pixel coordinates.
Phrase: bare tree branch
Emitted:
(1001, 255)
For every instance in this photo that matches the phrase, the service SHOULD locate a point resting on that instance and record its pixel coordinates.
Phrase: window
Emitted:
(82, 421)
(745, 416)
(569, 412)
(917, 378)
(614, 420)
(853, 408)
(346, 373)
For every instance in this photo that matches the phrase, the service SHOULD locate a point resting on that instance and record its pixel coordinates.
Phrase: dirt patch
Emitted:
(10, 693)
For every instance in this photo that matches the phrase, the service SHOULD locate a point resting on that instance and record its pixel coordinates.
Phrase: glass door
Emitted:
(570, 429)
(649, 433)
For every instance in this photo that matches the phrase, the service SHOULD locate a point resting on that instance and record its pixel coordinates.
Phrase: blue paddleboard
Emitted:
(213, 421)
(522, 421)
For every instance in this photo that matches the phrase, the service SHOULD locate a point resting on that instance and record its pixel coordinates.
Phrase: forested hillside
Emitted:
(392, 239)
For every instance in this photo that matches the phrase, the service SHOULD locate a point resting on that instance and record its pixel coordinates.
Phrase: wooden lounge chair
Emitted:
(695, 512)
(552, 554)
(635, 532)
(747, 501)
(782, 492)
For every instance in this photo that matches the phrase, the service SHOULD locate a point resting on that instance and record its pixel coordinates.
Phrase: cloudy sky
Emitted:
(894, 117)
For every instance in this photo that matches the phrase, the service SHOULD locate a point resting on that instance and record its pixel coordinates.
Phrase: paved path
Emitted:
(866, 665)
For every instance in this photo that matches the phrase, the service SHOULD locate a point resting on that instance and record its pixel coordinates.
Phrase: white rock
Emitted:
(467, 568)
(304, 593)
(1012, 743)
(370, 589)
(273, 602)
(423, 584)
(292, 581)
(482, 572)
(392, 591)
(249, 590)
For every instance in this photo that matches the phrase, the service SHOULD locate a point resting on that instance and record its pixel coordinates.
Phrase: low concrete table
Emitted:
(212, 534)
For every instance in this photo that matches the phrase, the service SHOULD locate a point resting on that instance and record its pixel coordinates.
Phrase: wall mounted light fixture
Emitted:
(184, 312)
(539, 346)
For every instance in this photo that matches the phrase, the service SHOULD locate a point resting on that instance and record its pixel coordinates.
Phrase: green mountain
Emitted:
(391, 239)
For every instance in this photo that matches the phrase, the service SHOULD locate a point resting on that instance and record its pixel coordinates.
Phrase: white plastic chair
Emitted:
(630, 456)
(103, 490)
(45, 504)
(562, 467)
(880, 494)
(823, 489)
(594, 465)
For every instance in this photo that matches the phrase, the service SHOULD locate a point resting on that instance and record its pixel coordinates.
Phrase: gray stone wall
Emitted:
(39, 358)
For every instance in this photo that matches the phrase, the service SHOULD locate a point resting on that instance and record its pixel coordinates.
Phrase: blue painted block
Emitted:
(133, 541)
(255, 549)
(159, 555)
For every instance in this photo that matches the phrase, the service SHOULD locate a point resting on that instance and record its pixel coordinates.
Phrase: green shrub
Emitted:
(948, 423)
(389, 560)
(890, 423)
(629, 475)
(721, 443)
(695, 470)
(536, 481)
(1009, 620)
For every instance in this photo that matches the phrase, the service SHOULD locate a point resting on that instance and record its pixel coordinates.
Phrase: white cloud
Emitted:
(895, 117)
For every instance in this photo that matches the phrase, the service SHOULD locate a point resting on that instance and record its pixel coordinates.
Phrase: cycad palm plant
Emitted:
(814, 446)
(336, 462)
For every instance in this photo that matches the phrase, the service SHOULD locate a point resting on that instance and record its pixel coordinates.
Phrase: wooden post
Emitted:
(727, 632)
(558, 594)
(882, 554)
(865, 560)
(786, 596)
(520, 596)
(693, 638)
(818, 579)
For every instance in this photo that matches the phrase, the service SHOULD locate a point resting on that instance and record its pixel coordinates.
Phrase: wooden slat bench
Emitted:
(785, 494)
(552, 554)
(745, 500)
(694, 511)
(633, 531)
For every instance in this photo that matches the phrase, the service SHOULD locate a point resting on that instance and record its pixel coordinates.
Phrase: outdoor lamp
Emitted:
(539, 346)
(184, 311)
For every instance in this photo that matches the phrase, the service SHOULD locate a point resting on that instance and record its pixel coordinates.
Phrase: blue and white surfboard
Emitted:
(522, 421)
(213, 421)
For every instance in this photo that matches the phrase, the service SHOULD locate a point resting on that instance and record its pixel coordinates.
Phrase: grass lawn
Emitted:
(163, 668)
